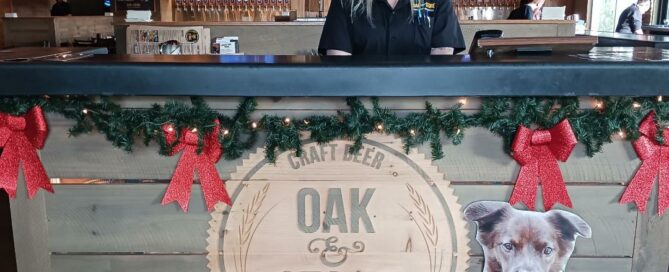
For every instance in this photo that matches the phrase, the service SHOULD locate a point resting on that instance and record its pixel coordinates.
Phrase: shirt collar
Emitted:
(400, 4)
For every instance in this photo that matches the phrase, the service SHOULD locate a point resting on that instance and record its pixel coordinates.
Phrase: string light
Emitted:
(636, 105)
(379, 126)
(659, 98)
(458, 132)
(599, 104)
(170, 128)
(621, 133)
(286, 120)
(84, 111)
(226, 132)
(254, 125)
(463, 101)
(194, 130)
(412, 132)
(306, 122)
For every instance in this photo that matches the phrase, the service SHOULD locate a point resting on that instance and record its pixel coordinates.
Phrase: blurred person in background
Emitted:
(630, 20)
(61, 8)
(528, 10)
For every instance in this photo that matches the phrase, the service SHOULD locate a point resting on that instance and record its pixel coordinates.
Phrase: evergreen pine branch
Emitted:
(502, 116)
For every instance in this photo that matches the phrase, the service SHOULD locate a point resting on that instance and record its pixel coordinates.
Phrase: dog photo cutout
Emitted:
(522, 241)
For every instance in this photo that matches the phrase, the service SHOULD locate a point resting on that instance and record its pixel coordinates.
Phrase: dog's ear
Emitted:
(569, 224)
(487, 213)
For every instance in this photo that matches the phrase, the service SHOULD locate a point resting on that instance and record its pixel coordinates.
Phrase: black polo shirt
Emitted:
(393, 31)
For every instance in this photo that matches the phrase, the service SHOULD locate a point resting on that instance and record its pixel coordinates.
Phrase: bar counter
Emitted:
(605, 71)
(608, 39)
(301, 37)
(321, 21)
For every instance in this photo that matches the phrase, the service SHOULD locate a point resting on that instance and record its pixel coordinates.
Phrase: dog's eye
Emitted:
(507, 246)
(548, 250)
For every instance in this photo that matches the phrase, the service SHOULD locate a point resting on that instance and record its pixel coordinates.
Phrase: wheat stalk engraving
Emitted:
(248, 227)
(427, 226)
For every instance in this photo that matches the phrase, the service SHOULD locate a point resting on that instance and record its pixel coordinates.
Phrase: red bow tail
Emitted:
(553, 188)
(655, 162)
(638, 190)
(212, 185)
(527, 182)
(182, 180)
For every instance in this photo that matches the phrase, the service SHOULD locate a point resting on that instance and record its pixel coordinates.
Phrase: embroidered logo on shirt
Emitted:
(423, 11)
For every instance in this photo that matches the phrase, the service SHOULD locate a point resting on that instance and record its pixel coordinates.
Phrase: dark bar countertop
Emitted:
(657, 29)
(609, 39)
(603, 71)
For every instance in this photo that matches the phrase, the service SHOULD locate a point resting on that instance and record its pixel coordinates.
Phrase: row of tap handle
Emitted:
(484, 9)
(230, 10)
(266, 10)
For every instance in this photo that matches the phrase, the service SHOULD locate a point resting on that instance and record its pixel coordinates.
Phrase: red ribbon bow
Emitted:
(19, 137)
(655, 162)
(213, 187)
(538, 152)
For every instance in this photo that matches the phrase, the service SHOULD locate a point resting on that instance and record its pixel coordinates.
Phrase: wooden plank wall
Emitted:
(29, 8)
(124, 227)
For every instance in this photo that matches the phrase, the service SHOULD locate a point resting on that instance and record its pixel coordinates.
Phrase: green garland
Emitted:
(122, 127)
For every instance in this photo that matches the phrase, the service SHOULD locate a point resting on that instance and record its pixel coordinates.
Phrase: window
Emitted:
(663, 17)
(605, 14)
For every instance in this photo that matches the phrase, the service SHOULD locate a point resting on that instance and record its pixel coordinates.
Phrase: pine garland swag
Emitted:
(122, 126)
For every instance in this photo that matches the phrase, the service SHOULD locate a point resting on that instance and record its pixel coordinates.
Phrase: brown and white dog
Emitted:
(525, 241)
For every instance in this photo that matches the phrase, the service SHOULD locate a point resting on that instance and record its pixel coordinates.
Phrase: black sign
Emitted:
(134, 5)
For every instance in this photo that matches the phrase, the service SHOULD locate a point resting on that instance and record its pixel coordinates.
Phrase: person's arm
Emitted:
(635, 24)
(335, 52)
(336, 37)
(446, 33)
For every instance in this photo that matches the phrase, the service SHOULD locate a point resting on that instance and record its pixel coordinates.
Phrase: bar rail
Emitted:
(607, 72)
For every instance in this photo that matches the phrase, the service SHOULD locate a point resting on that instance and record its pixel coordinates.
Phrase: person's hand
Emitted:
(442, 51)
(536, 13)
(334, 52)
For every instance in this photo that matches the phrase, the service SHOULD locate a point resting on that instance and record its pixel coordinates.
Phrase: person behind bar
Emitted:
(60, 8)
(528, 10)
(630, 20)
(391, 27)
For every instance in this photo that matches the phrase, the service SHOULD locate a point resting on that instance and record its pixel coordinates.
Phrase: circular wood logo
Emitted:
(329, 210)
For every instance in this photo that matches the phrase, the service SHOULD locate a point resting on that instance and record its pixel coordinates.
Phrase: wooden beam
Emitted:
(29, 225)
(124, 263)
(650, 244)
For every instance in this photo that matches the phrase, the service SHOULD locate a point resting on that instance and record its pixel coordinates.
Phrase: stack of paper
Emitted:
(138, 16)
